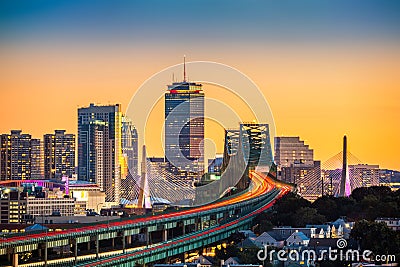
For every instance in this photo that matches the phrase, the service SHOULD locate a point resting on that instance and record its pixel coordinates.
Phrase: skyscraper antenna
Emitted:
(184, 68)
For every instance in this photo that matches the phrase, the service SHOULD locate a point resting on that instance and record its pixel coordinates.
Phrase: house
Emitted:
(248, 233)
(247, 243)
(393, 223)
(266, 239)
(297, 239)
(231, 261)
(204, 261)
(285, 231)
(186, 264)
(342, 228)
(321, 230)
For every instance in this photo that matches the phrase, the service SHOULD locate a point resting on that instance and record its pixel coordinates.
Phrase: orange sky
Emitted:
(316, 93)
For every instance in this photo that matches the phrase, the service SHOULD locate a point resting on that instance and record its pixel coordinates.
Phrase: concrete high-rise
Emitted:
(37, 159)
(290, 150)
(130, 145)
(59, 155)
(184, 126)
(99, 148)
(295, 163)
(15, 156)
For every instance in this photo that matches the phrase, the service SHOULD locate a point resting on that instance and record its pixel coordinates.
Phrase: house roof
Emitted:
(325, 227)
(205, 260)
(35, 227)
(275, 235)
(299, 235)
(265, 235)
(246, 243)
(232, 259)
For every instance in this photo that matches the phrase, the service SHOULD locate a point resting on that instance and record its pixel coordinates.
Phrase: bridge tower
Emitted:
(141, 197)
(344, 189)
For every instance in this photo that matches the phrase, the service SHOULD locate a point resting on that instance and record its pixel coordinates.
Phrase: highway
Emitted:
(266, 184)
(261, 184)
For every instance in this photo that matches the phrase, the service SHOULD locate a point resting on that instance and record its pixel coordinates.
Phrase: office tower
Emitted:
(184, 127)
(290, 150)
(59, 155)
(130, 144)
(15, 156)
(99, 148)
(37, 159)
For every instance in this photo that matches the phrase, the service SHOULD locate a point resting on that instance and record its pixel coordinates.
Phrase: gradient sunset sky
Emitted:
(327, 68)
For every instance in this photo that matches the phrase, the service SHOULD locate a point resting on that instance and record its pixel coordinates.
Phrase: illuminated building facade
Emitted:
(59, 155)
(37, 159)
(184, 127)
(290, 150)
(295, 162)
(364, 175)
(99, 148)
(15, 156)
(130, 144)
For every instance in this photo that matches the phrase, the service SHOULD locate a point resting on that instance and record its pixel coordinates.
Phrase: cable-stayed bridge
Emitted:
(337, 176)
(207, 219)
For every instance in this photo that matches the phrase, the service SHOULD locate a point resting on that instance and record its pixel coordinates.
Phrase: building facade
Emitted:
(37, 159)
(15, 156)
(130, 145)
(184, 127)
(59, 155)
(363, 175)
(99, 148)
(290, 150)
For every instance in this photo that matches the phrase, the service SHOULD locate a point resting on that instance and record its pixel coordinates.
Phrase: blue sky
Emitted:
(199, 21)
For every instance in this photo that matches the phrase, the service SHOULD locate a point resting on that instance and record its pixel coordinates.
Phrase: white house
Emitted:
(231, 261)
(265, 239)
(321, 230)
(297, 239)
(342, 228)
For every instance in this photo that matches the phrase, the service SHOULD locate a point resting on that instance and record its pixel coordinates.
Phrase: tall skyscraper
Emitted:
(37, 159)
(59, 155)
(184, 126)
(99, 148)
(130, 144)
(5, 157)
(15, 156)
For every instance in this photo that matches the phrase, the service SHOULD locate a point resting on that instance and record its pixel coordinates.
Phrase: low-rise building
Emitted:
(393, 223)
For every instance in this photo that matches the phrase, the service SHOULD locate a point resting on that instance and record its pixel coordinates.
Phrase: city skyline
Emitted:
(322, 76)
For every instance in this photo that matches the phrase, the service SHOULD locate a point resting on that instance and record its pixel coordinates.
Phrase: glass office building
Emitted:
(184, 127)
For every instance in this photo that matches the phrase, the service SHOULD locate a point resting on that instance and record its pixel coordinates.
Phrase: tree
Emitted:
(326, 206)
(377, 237)
(307, 215)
